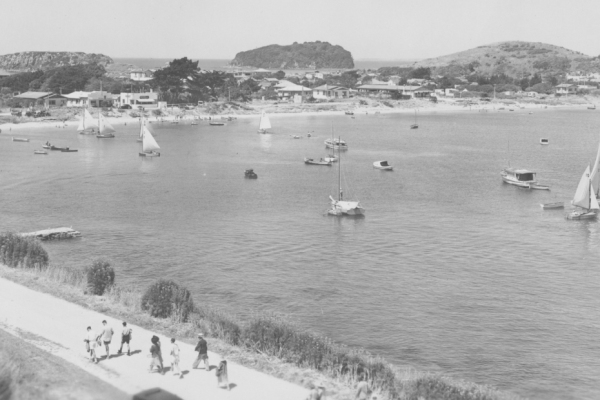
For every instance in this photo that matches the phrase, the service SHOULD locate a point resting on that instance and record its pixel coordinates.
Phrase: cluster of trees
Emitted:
(66, 79)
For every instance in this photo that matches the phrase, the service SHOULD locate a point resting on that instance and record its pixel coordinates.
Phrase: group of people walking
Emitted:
(94, 341)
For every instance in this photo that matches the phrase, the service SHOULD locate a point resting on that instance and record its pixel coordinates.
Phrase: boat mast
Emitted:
(340, 196)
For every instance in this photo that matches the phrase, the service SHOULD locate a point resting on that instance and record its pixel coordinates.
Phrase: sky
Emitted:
(375, 29)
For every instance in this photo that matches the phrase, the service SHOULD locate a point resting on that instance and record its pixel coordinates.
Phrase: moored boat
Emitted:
(550, 206)
(544, 141)
(314, 162)
(250, 174)
(68, 150)
(336, 144)
(348, 113)
(341, 207)
(521, 178)
(18, 139)
(40, 152)
(216, 123)
(384, 165)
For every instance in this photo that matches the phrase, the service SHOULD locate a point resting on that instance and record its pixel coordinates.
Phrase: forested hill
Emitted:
(298, 55)
(45, 60)
(515, 59)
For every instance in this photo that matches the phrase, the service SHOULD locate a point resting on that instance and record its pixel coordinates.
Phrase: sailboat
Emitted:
(595, 174)
(141, 136)
(585, 198)
(149, 145)
(105, 130)
(264, 124)
(87, 123)
(341, 207)
(331, 157)
(415, 125)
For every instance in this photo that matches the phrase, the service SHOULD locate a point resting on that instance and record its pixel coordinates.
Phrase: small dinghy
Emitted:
(250, 174)
(544, 141)
(550, 206)
(216, 123)
(383, 165)
(40, 152)
(68, 150)
(18, 139)
(310, 161)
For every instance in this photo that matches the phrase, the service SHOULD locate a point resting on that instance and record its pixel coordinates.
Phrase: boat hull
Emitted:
(577, 215)
(310, 161)
(68, 151)
(105, 136)
(550, 206)
(15, 139)
(40, 152)
(153, 154)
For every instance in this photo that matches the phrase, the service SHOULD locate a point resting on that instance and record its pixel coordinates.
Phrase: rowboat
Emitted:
(18, 139)
(40, 152)
(550, 206)
(383, 165)
(310, 161)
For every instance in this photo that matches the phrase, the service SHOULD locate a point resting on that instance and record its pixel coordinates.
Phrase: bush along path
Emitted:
(59, 327)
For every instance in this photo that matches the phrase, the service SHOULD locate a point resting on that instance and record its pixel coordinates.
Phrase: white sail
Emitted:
(595, 173)
(583, 192)
(593, 201)
(89, 121)
(148, 143)
(264, 122)
(105, 127)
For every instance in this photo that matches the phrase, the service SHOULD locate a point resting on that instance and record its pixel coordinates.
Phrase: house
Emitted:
(326, 92)
(268, 82)
(531, 94)
(387, 89)
(140, 75)
(566, 88)
(288, 92)
(46, 99)
(4, 73)
(451, 92)
(101, 99)
(147, 99)
(77, 99)
(422, 92)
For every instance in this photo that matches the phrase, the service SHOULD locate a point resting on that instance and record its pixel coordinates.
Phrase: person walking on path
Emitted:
(202, 349)
(91, 343)
(107, 334)
(222, 376)
(175, 358)
(156, 355)
(362, 390)
(125, 338)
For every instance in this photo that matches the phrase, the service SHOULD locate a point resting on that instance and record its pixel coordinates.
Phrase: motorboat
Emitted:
(322, 161)
(68, 150)
(250, 174)
(544, 141)
(551, 206)
(40, 152)
(584, 199)
(522, 178)
(216, 123)
(18, 139)
(383, 165)
(341, 207)
(336, 144)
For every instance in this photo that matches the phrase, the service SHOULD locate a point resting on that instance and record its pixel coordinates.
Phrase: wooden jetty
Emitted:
(53, 234)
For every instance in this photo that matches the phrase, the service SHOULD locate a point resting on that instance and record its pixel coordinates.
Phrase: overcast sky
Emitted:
(205, 29)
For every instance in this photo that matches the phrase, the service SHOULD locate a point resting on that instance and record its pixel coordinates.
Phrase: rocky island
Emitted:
(44, 60)
(297, 55)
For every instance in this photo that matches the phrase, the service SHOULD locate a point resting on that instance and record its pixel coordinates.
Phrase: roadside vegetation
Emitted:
(268, 342)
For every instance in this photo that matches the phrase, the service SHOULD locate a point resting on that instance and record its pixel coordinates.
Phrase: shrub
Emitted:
(7, 377)
(26, 252)
(164, 299)
(157, 113)
(100, 276)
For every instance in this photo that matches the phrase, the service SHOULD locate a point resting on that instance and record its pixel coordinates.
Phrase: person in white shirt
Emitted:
(125, 338)
(175, 358)
(91, 343)
(107, 334)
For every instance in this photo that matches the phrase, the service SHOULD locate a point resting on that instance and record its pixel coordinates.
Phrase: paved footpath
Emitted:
(59, 327)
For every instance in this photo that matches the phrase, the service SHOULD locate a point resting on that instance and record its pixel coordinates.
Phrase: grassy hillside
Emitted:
(515, 59)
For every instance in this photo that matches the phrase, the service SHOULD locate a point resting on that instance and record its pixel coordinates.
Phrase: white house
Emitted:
(326, 92)
(77, 99)
(147, 99)
(140, 75)
(566, 88)
(288, 92)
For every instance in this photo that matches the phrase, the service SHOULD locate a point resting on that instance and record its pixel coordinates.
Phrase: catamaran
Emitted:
(149, 146)
(264, 124)
(105, 130)
(341, 207)
(87, 124)
(585, 199)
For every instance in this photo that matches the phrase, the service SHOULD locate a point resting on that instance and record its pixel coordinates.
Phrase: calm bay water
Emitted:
(451, 270)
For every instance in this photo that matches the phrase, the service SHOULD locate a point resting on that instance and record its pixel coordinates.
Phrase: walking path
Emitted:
(59, 327)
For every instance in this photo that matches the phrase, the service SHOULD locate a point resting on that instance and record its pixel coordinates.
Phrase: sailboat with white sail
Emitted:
(264, 124)
(585, 199)
(87, 124)
(415, 125)
(105, 130)
(340, 206)
(595, 174)
(149, 146)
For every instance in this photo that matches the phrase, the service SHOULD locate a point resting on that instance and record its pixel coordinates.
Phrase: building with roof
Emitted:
(101, 99)
(566, 88)
(387, 89)
(46, 99)
(146, 99)
(141, 75)
(290, 92)
(77, 99)
(326, 92)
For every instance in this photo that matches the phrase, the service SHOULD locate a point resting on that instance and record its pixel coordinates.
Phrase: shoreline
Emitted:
(445, 106)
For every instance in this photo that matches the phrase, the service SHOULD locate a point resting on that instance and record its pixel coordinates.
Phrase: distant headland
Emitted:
(44, 60)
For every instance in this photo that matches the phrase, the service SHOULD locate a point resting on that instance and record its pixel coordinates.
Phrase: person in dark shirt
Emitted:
(156, 355)
(202, 349)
